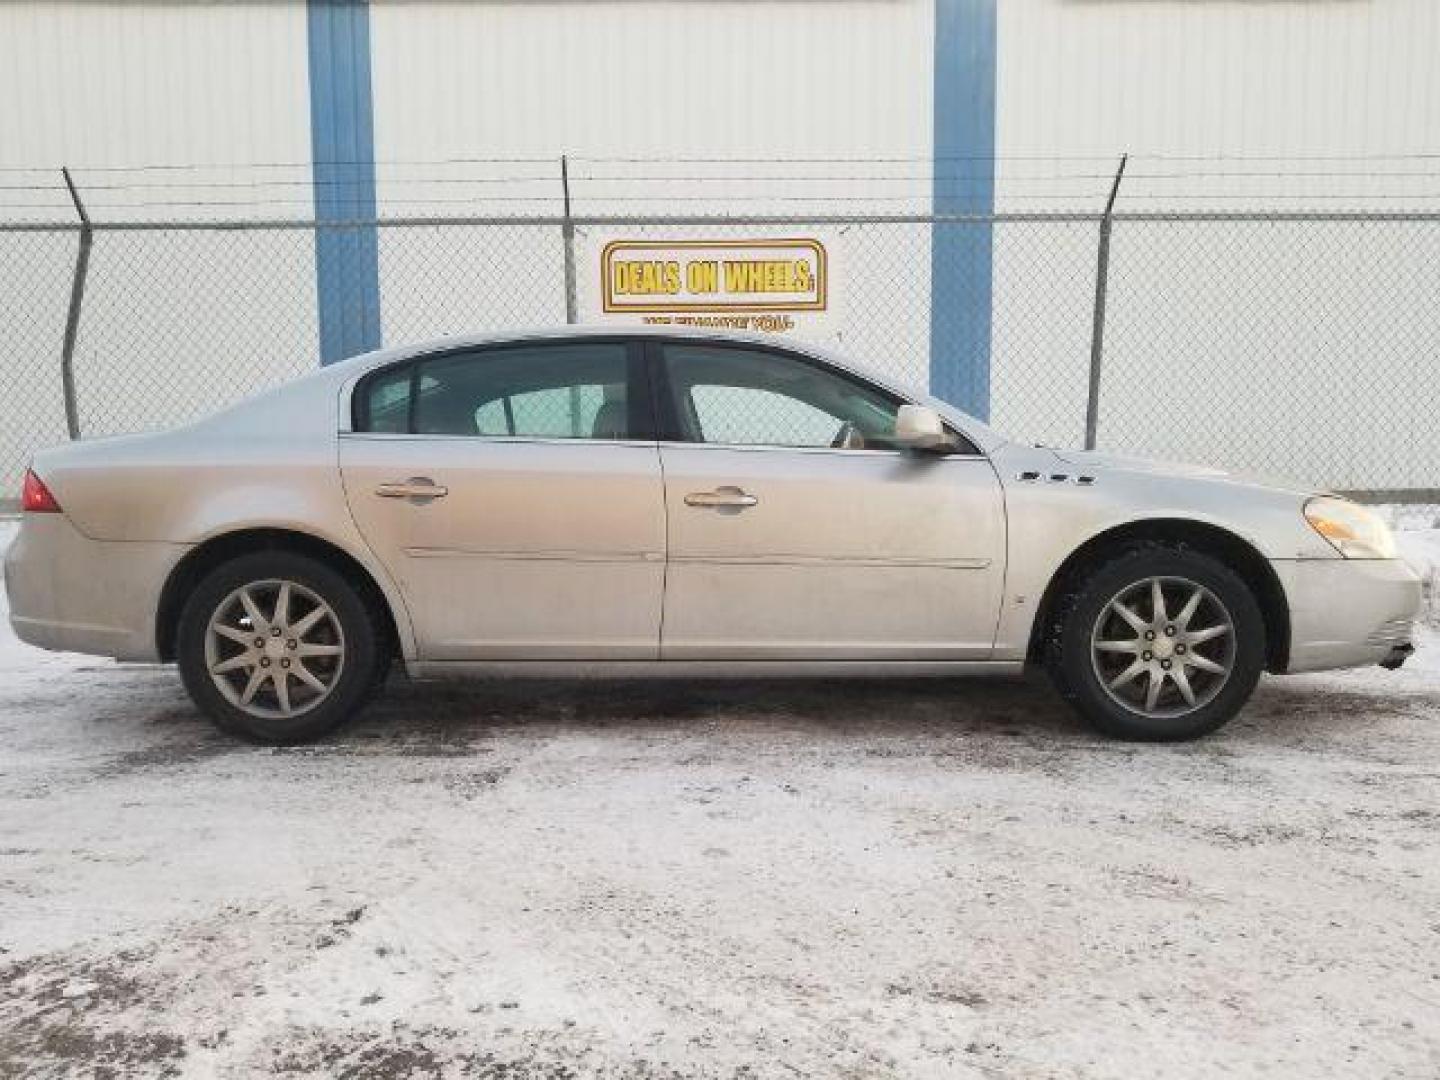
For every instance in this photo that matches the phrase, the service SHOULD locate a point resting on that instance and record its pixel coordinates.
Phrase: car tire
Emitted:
(273, 676)
(1203, 646)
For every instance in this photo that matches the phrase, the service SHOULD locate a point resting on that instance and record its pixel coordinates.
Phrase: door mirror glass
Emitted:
(919, 427)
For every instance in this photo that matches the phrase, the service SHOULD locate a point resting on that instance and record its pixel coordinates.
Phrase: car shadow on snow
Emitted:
(848, 707)
(445, 716)
(450, 718)
(454, 718)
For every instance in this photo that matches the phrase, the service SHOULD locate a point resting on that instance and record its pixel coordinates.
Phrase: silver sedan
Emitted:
(626, 502)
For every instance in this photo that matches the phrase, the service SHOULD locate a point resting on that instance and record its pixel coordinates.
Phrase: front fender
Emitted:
(1055, 507)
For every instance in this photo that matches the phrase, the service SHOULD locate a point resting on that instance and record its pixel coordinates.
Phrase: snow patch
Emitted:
(696, 881)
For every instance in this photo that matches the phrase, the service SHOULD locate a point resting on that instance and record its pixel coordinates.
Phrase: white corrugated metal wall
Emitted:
(1239, 106)
(1206, 77)
(1225, 104)
(198, 83)
(160, 108)
(637, 93)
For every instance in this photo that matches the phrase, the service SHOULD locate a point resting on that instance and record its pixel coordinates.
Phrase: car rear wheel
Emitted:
(279, 648)
(1158, 644)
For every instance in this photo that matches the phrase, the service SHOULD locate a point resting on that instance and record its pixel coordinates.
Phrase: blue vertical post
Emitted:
(342, 140)
(960, 254)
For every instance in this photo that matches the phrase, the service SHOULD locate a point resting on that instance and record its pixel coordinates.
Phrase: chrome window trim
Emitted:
(765, 448)
(552, 440)
(529, 440)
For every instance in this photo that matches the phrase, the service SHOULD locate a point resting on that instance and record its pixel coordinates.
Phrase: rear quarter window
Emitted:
(384, 404)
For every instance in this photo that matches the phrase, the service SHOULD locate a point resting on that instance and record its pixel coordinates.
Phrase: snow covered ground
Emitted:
(767, 880)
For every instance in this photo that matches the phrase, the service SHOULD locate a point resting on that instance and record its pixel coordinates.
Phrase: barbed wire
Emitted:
(662, 159)
(1132, 178)
(1182, 180)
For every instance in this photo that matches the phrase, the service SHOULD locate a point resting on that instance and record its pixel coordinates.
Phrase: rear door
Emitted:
(799, 531)
(514, 493)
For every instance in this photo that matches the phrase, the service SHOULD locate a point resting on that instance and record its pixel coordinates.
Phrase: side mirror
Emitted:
(919, 427)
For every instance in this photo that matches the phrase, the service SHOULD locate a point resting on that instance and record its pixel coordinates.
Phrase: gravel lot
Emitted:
(948, 879)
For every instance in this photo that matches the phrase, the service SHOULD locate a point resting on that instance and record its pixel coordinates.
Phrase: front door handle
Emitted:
(722, 498)
(417, 488)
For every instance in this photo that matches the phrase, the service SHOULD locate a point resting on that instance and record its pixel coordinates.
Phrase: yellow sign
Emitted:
(657, 276)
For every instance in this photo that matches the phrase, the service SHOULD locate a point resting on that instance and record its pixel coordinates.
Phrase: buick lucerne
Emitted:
(615, 501)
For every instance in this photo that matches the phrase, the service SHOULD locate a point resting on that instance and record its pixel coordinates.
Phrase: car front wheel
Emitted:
(279, 648)
(1158, 644)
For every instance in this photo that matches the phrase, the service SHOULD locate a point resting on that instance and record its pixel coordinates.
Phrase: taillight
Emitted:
(35, 497)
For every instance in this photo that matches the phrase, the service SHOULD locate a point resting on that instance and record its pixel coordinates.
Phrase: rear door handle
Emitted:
(417, 487)
(722, 498)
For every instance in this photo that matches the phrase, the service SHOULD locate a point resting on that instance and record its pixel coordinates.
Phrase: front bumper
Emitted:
(70, 593)
(1348, 612)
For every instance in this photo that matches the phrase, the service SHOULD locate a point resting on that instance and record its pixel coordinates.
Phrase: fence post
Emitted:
(72, 317)
(1097, 328)
(567, 233)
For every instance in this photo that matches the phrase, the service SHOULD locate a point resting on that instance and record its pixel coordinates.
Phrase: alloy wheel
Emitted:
(274, 649)
(1163, 647)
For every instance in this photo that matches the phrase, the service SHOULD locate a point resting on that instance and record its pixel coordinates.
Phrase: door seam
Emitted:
(665, 564)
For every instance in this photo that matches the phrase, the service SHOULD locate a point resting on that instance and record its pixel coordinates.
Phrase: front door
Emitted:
(507, 492)
(799, 531)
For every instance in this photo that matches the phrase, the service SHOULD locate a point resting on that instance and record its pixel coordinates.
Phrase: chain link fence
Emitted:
(35, 276)
(1303, 345)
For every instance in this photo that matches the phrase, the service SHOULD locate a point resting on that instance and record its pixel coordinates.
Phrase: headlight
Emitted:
(1353, 531)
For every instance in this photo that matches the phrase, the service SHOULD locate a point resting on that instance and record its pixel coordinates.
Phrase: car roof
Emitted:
(575, 330)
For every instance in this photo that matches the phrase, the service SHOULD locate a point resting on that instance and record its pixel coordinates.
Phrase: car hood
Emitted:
(1125, 463)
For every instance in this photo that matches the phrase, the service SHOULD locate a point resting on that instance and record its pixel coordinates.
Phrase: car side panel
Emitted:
(539, 549)
(1053, 514)
(186, 487)
(70, 593)
(845, 555)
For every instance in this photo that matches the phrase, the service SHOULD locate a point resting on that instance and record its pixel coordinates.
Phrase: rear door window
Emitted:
(550, 390)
